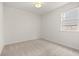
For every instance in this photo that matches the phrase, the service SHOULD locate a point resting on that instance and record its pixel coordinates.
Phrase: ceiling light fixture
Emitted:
(38, 4)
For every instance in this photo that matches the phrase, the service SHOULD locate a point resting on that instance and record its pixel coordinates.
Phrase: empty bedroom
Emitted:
(39, 28)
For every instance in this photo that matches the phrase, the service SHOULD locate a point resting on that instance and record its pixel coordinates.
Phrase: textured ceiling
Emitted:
(47, 6)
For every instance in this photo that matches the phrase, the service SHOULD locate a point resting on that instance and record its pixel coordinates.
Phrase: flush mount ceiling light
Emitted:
(38, 4)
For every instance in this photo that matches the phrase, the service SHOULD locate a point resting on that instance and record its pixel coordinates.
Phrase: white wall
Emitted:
(1, 27)
(20, 25)
(51, 28)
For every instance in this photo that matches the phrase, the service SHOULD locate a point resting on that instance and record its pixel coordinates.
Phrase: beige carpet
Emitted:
(37, 48)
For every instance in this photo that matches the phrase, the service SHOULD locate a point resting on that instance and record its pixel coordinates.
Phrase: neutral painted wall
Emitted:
(20, 25)
(1, 27)
(51, 27)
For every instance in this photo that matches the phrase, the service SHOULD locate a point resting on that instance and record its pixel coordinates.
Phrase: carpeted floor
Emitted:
(37, 47)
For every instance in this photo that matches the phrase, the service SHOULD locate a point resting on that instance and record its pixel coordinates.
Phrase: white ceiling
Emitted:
(47, 6)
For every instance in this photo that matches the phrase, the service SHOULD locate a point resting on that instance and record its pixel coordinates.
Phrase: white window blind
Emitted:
(70, 20)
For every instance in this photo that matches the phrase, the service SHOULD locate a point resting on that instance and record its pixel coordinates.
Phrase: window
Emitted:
(70, 20)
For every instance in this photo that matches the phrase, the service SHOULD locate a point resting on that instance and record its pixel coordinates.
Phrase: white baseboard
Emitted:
(19, 41)
(61, 44)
